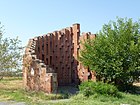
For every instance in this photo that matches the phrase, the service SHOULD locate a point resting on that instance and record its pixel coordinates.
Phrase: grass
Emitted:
(11, 89)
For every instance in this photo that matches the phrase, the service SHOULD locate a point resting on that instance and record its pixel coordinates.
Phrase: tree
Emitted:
(115, 53)
(10, 54)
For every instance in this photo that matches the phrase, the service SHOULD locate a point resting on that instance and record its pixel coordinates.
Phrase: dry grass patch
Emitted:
(11, 84)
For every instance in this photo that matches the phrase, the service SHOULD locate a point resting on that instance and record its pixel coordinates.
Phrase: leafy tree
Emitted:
(115, 53)
(10, 54)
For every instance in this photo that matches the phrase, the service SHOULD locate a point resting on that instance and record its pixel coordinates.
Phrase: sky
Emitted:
(29, 18)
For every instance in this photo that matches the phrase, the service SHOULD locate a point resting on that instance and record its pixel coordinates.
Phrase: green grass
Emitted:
(101, 100)
(12, 90)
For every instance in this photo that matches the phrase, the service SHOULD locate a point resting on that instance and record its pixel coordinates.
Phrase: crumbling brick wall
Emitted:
(36, 74)
(51, 60)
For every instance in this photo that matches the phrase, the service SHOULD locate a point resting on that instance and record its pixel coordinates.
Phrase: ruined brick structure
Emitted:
(51, 60)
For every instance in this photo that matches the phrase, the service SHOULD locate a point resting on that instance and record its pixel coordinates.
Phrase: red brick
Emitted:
(55, 61)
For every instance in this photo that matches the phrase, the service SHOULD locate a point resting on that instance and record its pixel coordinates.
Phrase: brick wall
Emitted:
(51, 60)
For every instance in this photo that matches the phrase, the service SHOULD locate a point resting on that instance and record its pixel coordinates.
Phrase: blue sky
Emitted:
(30, 18)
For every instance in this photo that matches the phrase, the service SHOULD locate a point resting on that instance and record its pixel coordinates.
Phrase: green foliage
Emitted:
(115, 53)
(89, 88)
(10, 53)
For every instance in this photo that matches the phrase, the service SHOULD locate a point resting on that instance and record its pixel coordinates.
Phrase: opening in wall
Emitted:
(42, 48)
(38, 49)
(43, 57)
(51, 46)
(32, 72)
(47, 49)
(46, 61)
(50, 60)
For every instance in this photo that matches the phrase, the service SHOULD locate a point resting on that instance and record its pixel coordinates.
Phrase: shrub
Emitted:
(114, 53)
(90, 88)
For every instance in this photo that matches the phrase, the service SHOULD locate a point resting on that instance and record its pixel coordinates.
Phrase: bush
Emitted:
(90, 88)
(114, 53)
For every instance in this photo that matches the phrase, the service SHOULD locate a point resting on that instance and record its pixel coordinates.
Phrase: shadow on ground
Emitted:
(67, 91)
